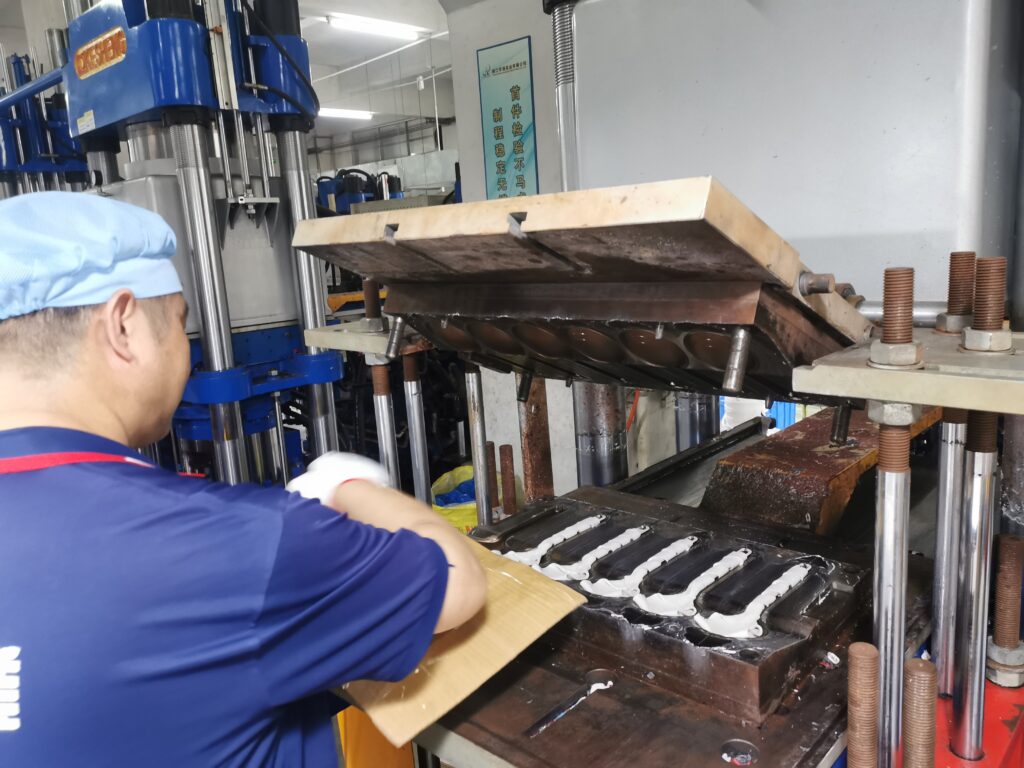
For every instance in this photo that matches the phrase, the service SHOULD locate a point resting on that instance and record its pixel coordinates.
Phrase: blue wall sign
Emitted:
(506, 111)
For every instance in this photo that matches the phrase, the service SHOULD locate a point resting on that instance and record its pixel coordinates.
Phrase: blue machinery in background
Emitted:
(349, 187)
(196, 70)
(37, 150)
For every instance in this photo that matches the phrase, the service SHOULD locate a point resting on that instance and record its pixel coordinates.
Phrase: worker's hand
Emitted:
(333, 469)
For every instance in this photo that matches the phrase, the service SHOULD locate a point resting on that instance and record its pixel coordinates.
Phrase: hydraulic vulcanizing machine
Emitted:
(729, 588)
(214, 101)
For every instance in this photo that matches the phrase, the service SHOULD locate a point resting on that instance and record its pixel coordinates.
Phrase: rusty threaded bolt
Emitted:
(1007, 613)
(954, 415)
(410, 368)
(492, 473)
(960, 298)
(862, 706)
(920, 692)
(982, 431)
(898, 306)
(989, 294)
(371, 299)
(381, 379)
(893, 448)
(509, 503)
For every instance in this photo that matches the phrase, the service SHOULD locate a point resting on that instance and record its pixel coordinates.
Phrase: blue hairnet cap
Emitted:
(73, 249)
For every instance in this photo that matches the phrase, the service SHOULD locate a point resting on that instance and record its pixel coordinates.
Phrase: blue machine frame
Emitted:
(126, 68)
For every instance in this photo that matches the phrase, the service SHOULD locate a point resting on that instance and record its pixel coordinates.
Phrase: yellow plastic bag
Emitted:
(462, 516)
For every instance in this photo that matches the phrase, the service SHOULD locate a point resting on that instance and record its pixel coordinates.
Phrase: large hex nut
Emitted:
(953, 323)
(894, 414)
(1010, 657)
(987, 341)
(901, 355)
(1005, 677)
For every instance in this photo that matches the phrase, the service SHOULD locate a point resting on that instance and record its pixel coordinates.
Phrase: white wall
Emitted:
(472, 27)
(867, 133)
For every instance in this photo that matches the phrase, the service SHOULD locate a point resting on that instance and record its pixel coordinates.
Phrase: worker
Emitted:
(148, 619)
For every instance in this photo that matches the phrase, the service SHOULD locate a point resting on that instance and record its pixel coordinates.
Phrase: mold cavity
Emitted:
(644, 344)
(740, 752)
(495, 338)
(634, 615)
(698, 637)
(455, 337)
(748, 654)
(596, 345)
(710, 347)
(542, 341)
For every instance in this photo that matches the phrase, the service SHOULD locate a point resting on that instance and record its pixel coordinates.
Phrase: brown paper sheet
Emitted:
(521, 606)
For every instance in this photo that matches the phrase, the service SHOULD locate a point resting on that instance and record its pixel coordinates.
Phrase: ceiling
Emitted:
(380, 77)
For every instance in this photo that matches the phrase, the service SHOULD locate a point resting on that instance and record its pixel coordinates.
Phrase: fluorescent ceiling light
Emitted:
(370, 26)
(347, 114)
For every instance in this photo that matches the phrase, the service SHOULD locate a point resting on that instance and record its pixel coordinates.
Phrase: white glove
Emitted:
(331, 470)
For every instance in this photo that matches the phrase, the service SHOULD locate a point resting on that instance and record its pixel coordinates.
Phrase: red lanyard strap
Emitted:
(47, 460)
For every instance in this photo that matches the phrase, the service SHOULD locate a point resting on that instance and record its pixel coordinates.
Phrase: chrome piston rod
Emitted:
(947, 552)
(478, 444)
(193, 170)
(312, 288)
(417, 431)
(892, 506)
(972, 605)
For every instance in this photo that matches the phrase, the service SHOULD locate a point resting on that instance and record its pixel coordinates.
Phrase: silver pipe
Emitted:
(311, 284)
(736, 367)
(892, 506)
(243, 153)
(972, 605)
(264, 151)
(925, 312)
(8, 189)
(418, 440)
(563, 20)
(947, 552)
(225, 156)
(601, 446)
(387, 440)
(193, 170)
(696, 419)
(437, 117)
(282, 443)
(478, 444)
(57, 47)
(148, 141)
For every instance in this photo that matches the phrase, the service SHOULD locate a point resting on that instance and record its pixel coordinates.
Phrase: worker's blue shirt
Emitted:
(162, 621)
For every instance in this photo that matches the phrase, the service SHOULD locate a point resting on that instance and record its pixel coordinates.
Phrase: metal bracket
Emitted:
(262, 210)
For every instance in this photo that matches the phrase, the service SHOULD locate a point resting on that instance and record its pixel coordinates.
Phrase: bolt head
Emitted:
(953, 323)
(894, 414)
(987, 341)
(899, 355)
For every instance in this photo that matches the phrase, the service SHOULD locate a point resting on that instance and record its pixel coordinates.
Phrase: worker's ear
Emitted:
(119, 319)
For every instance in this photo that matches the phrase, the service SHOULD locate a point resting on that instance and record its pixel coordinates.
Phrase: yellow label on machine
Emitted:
(102, 53)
